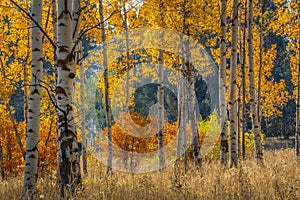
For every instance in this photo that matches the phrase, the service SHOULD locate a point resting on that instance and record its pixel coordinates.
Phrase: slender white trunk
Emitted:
(222, 89)
(184, 88)
(179, 149)
(253, 94)
(78, 55)
(2, 170)
(125, 26)
(182, 106)
(54, 26)
(26, 79)
(124, 21)
(160, 97)
(68, 152)
(107, 99)
(195, 143)
(232, 95)
(82, 101)
(297, 133)
(243, 62)
(238, 122)
(34, 105)
(261, 45)
(160, 93)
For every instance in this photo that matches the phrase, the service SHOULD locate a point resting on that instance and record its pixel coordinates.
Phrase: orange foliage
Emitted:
(12, 154)
(147, 141)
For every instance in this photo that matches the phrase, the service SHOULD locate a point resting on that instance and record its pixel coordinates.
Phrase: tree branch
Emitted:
(36, 23)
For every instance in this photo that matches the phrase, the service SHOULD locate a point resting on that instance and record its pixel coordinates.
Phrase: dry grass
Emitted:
(278, 179)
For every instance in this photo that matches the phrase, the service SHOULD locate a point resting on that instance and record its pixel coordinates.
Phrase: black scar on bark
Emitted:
(35, 91)
(60, 90)
(72, 75)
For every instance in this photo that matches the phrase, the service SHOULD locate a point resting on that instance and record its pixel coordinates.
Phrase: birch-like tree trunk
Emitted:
(125, 26)
(243, 62)
(78, 55)
(160, 97)
(261, 46)
(195, 143)
(232, 95)
(238, 117)
(124, 21)
(34, 106)
(106, 88)
(25, 95)
(25, 71)
(82, 112)
(2, 170)
(182, 108)
(222, 89)
(160, 94)
(253, 94)
(54, 30)
(297, 142)
(68, 152)
(297, 133)
(182, 101)
(179, 149)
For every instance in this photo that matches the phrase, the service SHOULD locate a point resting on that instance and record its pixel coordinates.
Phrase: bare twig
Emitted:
(35, 22)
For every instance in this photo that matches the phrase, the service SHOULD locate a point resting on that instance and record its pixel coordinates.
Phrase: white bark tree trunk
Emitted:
(124, 21)
(261, 46)
(297, 133)
(34, 106)
(297, 142)
(222, 90)
(82, 107)
(182, 106)
(243, 62)
(253, 94)
(232, 95)
(107, 99)
(54, 27)
(179, 150)
(78, 55)
(2, 170)
(68, 152)
(195, 143)
(160, 93)
(160, 97)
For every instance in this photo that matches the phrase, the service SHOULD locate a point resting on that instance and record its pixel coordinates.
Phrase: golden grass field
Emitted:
(279, 178)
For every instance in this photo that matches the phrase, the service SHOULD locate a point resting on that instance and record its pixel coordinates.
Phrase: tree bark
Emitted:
(179, 150)
(125, 26)
(2, 164)
(34, 106)
(222, 89)
(107, 99)
(54, 27)
(160, 97)
(253, 94)
(82, 107)
(195, 143)
(160, 94)
(243, 61)
(261, 46)
(68, 152)
(232, 97)
(124, 21)
(297, 133)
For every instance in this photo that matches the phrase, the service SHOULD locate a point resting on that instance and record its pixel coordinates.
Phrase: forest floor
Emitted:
(279, 178)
